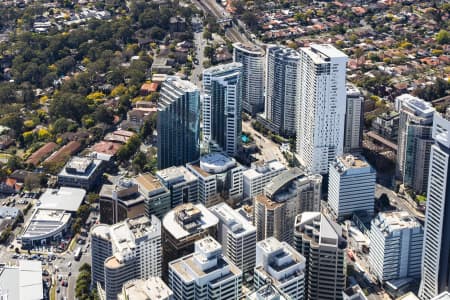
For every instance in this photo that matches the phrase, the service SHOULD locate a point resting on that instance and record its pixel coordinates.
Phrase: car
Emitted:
(11, 246)
(58, 290)
(45, 273)
(69, 274)
(196, 61)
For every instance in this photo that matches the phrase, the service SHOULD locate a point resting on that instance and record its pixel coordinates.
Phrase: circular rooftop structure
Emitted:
(216, 163)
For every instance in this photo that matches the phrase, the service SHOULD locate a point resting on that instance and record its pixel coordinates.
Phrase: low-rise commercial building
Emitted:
(45, 227)
(22, 282)
(64, 198)
(81, 172)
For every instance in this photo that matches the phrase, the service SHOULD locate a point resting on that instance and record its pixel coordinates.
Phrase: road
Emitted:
(399, 202)
(199, 44)
(269, 149)
(212, 7)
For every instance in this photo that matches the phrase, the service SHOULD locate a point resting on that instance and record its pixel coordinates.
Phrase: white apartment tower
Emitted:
(277, 262)
(124, 251)
(222, 107)
(282, 79)
(252, 59)
(321, 106)
(396, 240)
(351, 186)
(237, 236)
(205, 274)
(259, 175)
(354, 119)
(436, 245)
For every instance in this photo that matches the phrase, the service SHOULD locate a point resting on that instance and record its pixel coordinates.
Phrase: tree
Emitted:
(68, 105)
(443, 37)
(92, 198)
(139, 161)
(103, 115)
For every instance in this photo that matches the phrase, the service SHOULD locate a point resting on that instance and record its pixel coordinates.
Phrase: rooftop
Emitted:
(175, 175)
(45, 223)
(151, 289)
(389, 222)
(213, 163)
(222, 68)
(183, 85)
(201, 264)
(328, 232)
(80, 167)
(259, 169)
(148, 182)
(66, 198)
(123, 235)
(282, 180)
(23, 282)
(249, 48)
(237, 223)
(350, 162)
(187, 219)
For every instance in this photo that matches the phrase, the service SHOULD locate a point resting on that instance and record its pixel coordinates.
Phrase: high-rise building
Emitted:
(205, 274)
(219, 178)
(178, 123)
(277, 262)
(355, 293)
(152, 288)
(120, 201)
(396, 240)
(222, 107)
(322, 106)
(182, 226)
(351, 187)
(316, 237)
(287, 195)
(182, 185)
(282, 79)
(157, 196)
(237, 236)
(354, 119)
(414, 141)
(436, 245)
(252, 59)
(124, 251)
(259, 175)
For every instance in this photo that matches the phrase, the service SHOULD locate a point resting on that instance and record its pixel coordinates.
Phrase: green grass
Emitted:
(421, 199)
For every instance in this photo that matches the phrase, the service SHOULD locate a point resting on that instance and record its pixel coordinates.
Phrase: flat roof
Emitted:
(175, 175)
(389, 222)
(189, 267)
(237, 223)
(153, 288)
(45, 223)
(148, 181)
(170, 223)
(66, 198)
(23, 282)
(259, 169)
(85, 167)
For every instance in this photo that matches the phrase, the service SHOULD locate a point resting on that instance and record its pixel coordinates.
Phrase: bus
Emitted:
(77, 254)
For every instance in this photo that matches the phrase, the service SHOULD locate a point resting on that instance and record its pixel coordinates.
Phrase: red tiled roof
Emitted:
(64, 153)
(41, 153)
(105, 147)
